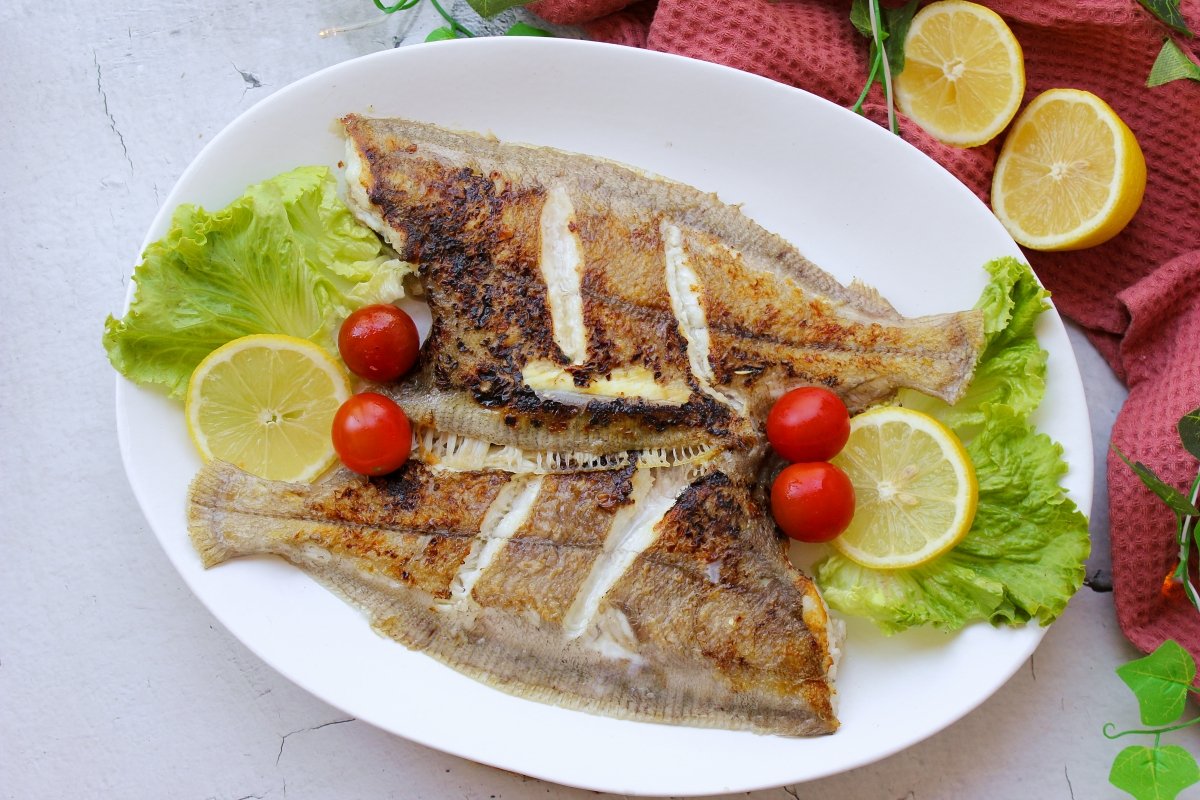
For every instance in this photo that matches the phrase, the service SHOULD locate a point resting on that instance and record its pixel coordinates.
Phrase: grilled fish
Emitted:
(583, 308)
(650, 593)
(584, 521)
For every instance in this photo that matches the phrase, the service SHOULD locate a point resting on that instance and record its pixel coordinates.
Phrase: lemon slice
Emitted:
(265, 403)
(914, 486)
(1071, 174)
(964, 73)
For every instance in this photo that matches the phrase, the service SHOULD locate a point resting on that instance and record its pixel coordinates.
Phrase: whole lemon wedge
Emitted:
(914, 486)
(964, 73)
(265, 403)
(1070, 175)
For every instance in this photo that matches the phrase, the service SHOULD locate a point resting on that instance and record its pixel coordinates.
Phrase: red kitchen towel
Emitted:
(1138, 295)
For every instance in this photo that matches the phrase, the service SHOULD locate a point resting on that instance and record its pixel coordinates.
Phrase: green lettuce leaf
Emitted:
(285, 257)
(1024, 556)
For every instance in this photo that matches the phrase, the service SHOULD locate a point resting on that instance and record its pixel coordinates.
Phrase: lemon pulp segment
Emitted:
(1070, 175)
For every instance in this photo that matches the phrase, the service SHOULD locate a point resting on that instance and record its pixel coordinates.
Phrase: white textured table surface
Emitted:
(114, 680)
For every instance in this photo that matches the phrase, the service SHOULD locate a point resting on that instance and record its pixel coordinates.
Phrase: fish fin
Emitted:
(871, 300)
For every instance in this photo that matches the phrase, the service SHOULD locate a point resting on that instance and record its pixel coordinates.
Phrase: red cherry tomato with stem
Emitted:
(379, 342)
(371, 434)
(808, 424)
(812, 501)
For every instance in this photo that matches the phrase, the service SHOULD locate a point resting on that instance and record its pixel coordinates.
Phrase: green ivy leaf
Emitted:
(1168, 12)
(1172, 64)
(441, 35)
(1167, 493)
(490, 8)
(523, 29)
(1160, 681)
(1154, 773)
(1189, 426)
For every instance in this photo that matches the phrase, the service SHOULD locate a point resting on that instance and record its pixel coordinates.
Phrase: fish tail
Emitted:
(208, 514)
(230, 512)
(945, 349)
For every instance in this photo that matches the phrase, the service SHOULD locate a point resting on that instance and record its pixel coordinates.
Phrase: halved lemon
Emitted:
(914, 486)
(265, 403)
(964, 73)
(1070, 175)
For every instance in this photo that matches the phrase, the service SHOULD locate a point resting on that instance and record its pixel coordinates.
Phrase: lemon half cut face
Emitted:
(1071, 174)
(964, 73)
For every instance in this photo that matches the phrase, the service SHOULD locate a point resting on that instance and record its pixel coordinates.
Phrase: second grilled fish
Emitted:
(656, 594)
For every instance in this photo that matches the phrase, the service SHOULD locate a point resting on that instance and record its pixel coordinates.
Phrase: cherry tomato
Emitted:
(812, 501)
(371, 434)
(808, 424)
(379, 343)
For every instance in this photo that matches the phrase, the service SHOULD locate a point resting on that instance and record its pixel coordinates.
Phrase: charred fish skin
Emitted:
(683, 300)
(584, 524)
(478, 240)
(491, 584)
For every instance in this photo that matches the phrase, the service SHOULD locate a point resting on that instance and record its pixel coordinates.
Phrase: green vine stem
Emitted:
(405, 5)
(875, 64)
(1155, 732)
(1186, 530)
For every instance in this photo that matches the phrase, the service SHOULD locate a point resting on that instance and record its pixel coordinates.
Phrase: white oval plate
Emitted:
(853, 197)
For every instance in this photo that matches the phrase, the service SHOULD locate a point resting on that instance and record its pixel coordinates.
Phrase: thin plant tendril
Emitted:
(455, 25)
(405, 5)
(1186, 535)
(1155, 732)
(857, 108)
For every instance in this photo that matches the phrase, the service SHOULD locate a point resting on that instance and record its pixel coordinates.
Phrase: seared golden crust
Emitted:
(690, 589)
(704, 628)
(468, 209)
(546, 562)
(475, 238)
(414, 526)
(583, 308)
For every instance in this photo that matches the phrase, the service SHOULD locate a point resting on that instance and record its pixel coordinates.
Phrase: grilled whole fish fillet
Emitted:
(582, 306)
(583, 523)
(657, 594)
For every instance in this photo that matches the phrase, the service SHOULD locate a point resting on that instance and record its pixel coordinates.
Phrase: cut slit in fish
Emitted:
(561, 262)
(659, 640)
(634, 529)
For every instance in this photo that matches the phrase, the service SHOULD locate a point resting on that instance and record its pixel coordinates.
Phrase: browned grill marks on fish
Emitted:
(591, 312)
(772, 318)
(510, 633)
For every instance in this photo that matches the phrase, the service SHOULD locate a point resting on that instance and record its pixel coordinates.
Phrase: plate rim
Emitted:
(1085, 459)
